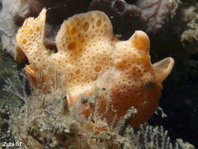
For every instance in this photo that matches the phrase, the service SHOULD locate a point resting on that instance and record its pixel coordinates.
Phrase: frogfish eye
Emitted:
(149, 84)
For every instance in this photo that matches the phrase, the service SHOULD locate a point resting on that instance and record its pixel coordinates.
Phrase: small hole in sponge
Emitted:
(86, 26)
(37, 28)
(97, 68)
(24, 41)
(78, 71)
(93, 36)
(99, 22)
(30, 31)
(72, 46)
(73, 30)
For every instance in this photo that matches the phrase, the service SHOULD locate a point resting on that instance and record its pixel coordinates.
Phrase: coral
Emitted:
(90, 60)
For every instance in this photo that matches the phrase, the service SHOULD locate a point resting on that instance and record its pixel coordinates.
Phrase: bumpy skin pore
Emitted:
(91, 58)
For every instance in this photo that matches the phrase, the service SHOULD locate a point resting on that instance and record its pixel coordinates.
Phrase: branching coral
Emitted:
(90, 58)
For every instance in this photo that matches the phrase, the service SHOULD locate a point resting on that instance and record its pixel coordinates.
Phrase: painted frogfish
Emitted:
(90, 59)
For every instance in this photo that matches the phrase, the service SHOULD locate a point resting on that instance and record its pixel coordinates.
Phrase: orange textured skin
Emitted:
(90, 57)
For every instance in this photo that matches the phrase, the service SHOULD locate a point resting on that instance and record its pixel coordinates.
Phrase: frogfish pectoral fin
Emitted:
(163, 68)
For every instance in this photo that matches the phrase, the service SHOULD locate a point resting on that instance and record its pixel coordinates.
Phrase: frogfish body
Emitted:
(90, 58)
